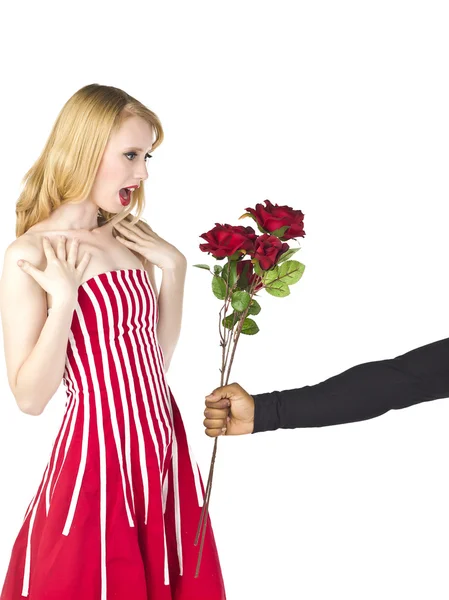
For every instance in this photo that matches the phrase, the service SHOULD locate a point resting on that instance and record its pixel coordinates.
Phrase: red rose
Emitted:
(248, 267)
(268, 249)
(226, 240)
(272, 217)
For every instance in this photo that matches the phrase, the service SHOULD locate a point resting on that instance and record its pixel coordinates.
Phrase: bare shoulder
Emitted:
(27, 248)
(30, 244)
(23, 304)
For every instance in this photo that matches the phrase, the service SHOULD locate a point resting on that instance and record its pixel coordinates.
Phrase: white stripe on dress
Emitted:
(121, 382)
(143, 392)
(107, 381)
(75, 395)
(85, 436)
(102, 448)
(66, 420)
(149, 342)
(150, 369)
(177, 507)
(196, 477)
(140, 437)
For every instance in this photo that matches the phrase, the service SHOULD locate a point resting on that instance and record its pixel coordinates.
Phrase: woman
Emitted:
(116, 513)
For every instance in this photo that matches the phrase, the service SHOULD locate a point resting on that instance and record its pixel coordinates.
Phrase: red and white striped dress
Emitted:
(116, 513)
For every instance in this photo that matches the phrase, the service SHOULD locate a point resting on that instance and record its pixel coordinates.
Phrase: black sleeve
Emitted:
(362, 392)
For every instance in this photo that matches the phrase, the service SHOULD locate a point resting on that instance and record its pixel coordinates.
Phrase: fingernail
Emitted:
(223, 430)
(20, 263)
(228, 419)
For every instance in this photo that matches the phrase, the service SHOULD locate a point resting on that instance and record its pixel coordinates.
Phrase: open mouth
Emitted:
(125, 195)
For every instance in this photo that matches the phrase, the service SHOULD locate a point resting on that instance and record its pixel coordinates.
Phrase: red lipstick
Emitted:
(125, 194)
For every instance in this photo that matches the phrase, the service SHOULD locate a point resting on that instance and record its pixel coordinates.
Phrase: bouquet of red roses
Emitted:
(238, 281)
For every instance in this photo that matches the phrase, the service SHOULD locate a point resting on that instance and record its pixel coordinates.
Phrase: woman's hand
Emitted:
(142, 239)
(61, 277)
(229, 411)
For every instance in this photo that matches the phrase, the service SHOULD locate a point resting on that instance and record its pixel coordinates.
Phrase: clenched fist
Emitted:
(229, 411)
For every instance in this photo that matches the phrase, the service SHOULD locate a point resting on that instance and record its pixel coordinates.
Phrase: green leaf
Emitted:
(237, 254)
(287, 255)
(202, 267)
(217, 269)
(287, 273)
(278, 289)
(230, 266)
(246, 215)
(271, 275)
(232, 274)
(224, 272)
(254, 308)
(219, 287)
(280, 232)
(229, 321)
(240, 300)
(249, 327)
(291, 271)
(257, 268)
(243, 279)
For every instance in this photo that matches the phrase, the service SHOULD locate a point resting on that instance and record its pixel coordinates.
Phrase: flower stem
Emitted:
(225, 351)
(205, 509)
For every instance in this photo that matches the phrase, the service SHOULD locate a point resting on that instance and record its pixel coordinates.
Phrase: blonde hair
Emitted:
(66, 169)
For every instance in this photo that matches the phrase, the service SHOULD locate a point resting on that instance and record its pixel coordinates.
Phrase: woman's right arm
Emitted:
(35, 345)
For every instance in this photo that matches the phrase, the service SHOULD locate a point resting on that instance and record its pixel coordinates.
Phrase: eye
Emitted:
(133, 154)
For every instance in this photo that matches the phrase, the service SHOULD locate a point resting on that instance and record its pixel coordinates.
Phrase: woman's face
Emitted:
(123, 164)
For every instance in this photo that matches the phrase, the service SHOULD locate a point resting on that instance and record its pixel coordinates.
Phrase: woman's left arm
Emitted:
(171, 296)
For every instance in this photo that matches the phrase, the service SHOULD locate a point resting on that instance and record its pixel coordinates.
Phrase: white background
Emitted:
(339, 109)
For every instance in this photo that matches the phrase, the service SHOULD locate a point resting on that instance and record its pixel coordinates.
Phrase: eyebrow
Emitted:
(138, 149)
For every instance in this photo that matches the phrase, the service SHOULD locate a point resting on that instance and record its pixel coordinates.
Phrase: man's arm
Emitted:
(362, 392)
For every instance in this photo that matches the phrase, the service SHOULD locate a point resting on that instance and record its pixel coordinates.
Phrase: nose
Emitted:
(141, 171)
